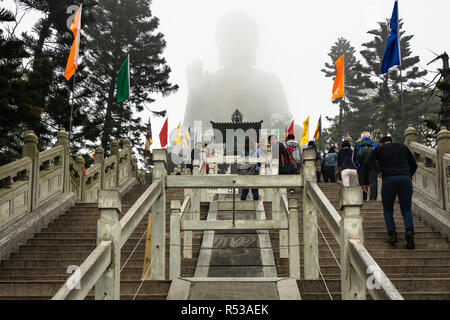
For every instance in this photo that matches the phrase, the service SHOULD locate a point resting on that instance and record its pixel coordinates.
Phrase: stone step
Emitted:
(283, 271)
(26, 288)
(429, 261)
(403, 285)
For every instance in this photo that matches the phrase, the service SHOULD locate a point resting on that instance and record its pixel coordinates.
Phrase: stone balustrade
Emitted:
(433, 174)
(30, 182)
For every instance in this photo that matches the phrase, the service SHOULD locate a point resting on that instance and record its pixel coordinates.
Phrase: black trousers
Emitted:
(373, 180)
(328, 174)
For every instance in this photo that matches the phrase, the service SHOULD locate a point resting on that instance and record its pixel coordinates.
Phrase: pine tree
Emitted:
(18, 112)
(122, 28)
(388, 86)
(353, 80)
(49, 52)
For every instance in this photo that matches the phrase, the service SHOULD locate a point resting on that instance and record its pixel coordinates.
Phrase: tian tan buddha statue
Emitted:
(237, 84)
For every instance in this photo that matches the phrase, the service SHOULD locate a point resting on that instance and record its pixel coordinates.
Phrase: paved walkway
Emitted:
(235, 264)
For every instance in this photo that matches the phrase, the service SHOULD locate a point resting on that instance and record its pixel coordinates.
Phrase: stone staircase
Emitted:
(38, 269)
(423, 273)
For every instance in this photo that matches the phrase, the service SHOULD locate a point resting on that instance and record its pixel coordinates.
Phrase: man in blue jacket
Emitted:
(362, 151)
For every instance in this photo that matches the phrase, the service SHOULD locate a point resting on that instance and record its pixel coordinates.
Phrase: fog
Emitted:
(294, 40)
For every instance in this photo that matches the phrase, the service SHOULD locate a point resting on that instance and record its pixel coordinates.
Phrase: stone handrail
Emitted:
(422, 150)
(356, 265)
(134, 215)
(197, 182)
(80, 283)
(110, 229)
(378, 284)
(12, 169)
(178, 213)
(52, 154)
(93, 182)
(30, 182)
(75, 178)
(51, 174)
(432, 176)
(327, 211)
(15, 190)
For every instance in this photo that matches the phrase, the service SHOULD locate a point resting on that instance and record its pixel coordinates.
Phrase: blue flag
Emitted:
(391, 55)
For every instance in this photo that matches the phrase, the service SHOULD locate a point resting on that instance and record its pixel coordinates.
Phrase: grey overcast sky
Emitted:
(296, 36)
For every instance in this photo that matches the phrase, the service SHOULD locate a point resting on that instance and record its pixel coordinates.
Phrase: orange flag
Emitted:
(72, 63)
(338, 87)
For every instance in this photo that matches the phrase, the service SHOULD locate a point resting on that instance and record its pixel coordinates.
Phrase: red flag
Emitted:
(291, 128)
(163, 134)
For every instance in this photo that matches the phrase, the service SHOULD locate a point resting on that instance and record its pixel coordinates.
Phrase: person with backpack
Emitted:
(329, 165)
(243, 168)
(286, 163)
(398, 165)
(349, 175)
(362, 151)
(295, 151)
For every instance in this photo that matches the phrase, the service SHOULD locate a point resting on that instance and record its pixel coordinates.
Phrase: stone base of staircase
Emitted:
(19, 231)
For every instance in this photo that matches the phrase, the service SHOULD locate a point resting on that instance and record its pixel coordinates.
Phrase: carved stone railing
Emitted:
(29, 183)
(433, 174)
(101, 269)
(15, 189)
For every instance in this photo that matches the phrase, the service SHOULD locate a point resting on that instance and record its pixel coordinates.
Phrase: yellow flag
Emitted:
(178, 140)
(338, 87)
(72, 63)
(305, 134)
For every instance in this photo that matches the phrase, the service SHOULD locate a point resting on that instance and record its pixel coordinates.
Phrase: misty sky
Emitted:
(295, 39)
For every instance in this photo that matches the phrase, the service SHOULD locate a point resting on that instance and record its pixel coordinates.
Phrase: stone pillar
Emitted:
(134, 161)
(115, 152)
(81, 166)
(175, 240)
(310, 234)
(294, 242)
(351, 227)
(410, 135)
(99, 158)
(192, 214)
(269, 171)
(63, 140)
(203, 192)
(30, 149)
(158, 245)
(108, 229)
(443, 147)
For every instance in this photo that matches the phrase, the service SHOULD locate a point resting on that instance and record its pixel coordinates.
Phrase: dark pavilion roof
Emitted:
(237, 123)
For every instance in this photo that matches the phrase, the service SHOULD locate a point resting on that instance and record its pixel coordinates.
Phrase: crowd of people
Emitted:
(360, 165)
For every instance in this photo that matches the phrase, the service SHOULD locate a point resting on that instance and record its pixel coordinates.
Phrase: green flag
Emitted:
(123, 82)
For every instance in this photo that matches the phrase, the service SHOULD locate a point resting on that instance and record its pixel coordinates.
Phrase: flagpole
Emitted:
(343, 99)
(402, 100)
(72, 103)
(129, 98)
